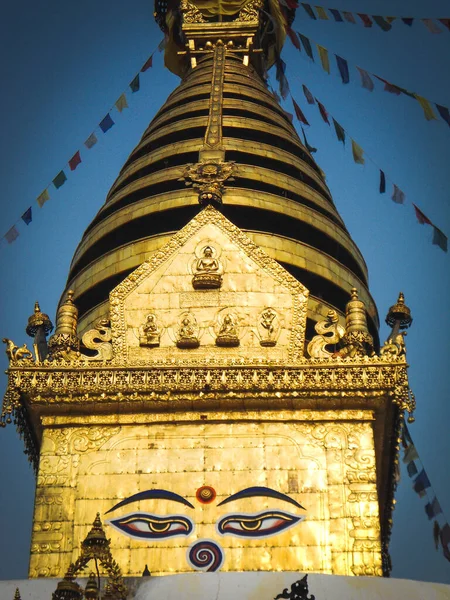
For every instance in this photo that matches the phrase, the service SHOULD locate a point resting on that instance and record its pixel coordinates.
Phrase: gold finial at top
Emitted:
(91, 591)
(96, 536)
(17, 595)
(38, 319)
(399, 313)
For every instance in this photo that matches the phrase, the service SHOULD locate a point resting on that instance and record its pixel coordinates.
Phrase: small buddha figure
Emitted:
(150, 332)
(267, 322)
(228, 332)
(187, 332)
(207, 274)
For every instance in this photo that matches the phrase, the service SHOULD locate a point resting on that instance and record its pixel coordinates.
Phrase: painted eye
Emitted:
(147, 526)
(260, 525)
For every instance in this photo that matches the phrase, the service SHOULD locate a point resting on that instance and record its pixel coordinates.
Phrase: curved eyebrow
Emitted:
(152, 495)
(260, 491)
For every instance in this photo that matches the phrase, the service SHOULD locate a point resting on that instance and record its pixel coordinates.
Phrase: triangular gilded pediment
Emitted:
(210, 296)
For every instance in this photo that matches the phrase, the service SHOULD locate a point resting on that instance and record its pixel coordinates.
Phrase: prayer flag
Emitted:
(148, 64)
(348, 16)
(381, 22)
(323, 53)
(427, 110)
(390, 19)
(321, 12)
(60, 180)
(289, 115)
(397, 195)
(284, 87)
(11, 235)
(443, 111)
(75, 161)
(410, 454)
(293, 37)
(162, 44)
(440, 239)
(91, 141)
(421, 483)
(106, 123)
(412, 469)
(307, 46)
(27, 217)
(365, 19)
(436, 532)
(309, 11)
(382, 182)
(445, 540)
(336, 14)
(423, 219)
(445, 22)
(358, 153)
(135, 85)
(408, 21)
(433, 508)
(310, 148)
(323, 111)
(366, 80)
(42, 198)
(406, 438)
(390, 87)
(343, 69)
(340, 133)
(431, 26)
(121, 103)
(309, 97)
(299, 114)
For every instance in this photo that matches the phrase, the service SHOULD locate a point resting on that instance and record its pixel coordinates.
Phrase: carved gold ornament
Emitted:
(209, 178)
(330, 332)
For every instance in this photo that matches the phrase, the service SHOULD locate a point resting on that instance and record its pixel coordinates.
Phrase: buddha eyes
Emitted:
(147, 526)
(259, 525)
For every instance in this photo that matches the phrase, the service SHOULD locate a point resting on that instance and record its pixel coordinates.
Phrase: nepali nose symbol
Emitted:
(205, 555)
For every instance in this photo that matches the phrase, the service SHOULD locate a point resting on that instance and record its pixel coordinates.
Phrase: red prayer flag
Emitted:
(148, 64)
(323, 111)
(423, 219)
(294, 37)
(75, 161)
(365, 19)
(445, 22)
(299, 114)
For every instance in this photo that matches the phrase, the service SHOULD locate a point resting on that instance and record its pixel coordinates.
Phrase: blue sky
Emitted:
(64, 65)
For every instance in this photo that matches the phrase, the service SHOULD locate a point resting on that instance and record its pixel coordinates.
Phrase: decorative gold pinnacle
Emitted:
(399, 313)
(38, 319)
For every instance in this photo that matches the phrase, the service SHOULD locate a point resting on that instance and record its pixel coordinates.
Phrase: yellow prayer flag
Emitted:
(321, 12)
(121, 103)
(42, 198)
(357, 153)
(427, 110)
(323, 53)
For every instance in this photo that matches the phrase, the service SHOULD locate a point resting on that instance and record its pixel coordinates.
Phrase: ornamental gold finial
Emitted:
(91, 592)
(399, 314)
(357, 339)
(96, 536)
(64, 343)
(17, 595)
(39, 326)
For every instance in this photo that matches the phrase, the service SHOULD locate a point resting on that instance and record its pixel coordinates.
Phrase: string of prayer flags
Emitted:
(43, 198)
(397, 195)
(367, 82)
(91, 141)
(59, 180)
(307, 46)
(358, 153)
(106, 123)
(343, 68)
(340, 133)
(135, 84)
(323, 54)
(121, 103)
(12, 235)
(75, 161)
(27, 216)
(299, 113)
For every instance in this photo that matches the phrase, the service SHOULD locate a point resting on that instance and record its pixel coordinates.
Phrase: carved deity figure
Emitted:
(395, 346)
(150, 332)
(228, 332)
(267, 321)
(207, 271)
(187, 332)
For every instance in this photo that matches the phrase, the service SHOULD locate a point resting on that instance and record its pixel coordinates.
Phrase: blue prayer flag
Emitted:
(421, 482)
(106, 124)
(343, 69)
(26, 217)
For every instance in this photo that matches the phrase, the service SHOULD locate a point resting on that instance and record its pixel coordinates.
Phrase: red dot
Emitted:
(206, 494)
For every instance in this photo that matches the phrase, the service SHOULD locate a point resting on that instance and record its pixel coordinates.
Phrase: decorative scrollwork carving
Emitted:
(299, 591)
(99, 339)
(330, 332)
(250, 11)
(191, 13)
(16, 353)
(394, 346)
(209, 177)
